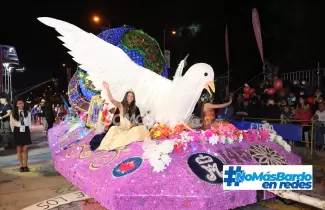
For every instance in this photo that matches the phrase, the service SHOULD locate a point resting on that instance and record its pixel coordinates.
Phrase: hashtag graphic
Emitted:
(231, 176)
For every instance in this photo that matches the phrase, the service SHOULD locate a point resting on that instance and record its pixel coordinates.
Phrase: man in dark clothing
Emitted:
(271, 110)
(48, 114)
(5, 122)
(253, 108)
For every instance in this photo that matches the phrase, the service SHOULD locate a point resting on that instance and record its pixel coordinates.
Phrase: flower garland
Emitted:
(181, 137)
(164, 131)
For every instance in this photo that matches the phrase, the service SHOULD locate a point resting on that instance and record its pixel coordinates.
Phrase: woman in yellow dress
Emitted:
(130, 128)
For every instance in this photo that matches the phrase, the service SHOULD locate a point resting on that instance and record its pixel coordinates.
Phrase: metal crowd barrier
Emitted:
(315, 131)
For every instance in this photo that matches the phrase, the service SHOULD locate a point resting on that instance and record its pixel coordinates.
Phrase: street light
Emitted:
(63, 64)
(96, 19)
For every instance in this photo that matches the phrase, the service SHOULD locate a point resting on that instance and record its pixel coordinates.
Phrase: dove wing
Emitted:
(106, 62)
(179, 70)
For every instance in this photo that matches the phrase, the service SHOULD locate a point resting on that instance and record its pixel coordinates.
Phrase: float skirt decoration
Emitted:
(125, 180)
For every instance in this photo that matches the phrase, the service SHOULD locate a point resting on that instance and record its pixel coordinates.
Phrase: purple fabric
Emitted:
(175, 188)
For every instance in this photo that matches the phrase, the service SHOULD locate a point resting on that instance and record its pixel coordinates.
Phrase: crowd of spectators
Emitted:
(297, 101)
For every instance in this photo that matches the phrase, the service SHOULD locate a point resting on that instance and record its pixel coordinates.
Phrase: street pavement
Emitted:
(43, 183)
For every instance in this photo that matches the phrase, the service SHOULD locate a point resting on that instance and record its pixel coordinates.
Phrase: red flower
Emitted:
(178, 147)
(127, 166)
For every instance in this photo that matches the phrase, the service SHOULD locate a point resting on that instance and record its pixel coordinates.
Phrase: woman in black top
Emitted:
(20, 121)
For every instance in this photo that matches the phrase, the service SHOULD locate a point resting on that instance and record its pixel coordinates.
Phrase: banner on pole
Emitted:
(167, 57)
(227, 46)
(257, 31)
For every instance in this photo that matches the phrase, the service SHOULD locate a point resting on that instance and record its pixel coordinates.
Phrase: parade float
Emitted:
(180, 167)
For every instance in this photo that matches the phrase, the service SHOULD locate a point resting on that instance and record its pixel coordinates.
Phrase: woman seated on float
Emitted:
(130, 128)
(208, 112)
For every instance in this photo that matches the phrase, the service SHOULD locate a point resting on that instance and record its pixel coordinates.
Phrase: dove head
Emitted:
(203, 75)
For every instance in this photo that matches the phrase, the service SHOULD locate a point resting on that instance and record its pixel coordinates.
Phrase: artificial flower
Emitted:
(158, 154)
(287, 147)
(222, 139)
(272, 137)
(178, 147)
(214, 139)
(157, 164)
(230, 140)
(165, 147)
(166, 159)
(127, 166)
(240, 138)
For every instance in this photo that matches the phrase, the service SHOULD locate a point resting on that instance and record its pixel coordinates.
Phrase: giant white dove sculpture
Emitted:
(165, 100)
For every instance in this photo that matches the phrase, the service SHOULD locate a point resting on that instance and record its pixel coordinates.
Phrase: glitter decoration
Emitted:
(175, 188)
(235, 155)
(265, 155)
(127, 166)
(206, 167)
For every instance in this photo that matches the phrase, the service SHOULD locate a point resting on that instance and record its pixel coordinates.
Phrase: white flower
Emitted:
(186, 137)
(223, 139)
(279, 138)
(287, 147)
(166, 147)
(149, 148)
(157, 164)
(272, 137)
(281, 142)
(158, 154)
(241, 137)
(214, 139)
(166, 159)
(230, 140)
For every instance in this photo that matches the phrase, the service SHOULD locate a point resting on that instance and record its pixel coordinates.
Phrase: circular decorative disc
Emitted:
(206, 167)
(265, 155)
(127, 166)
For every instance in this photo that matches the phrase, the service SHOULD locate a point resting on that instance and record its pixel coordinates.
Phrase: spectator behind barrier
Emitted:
(286, 115)
(303, 111)
(320, 123)
(271, 110)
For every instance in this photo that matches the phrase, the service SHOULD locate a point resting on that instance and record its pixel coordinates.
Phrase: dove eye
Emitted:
(205, 74)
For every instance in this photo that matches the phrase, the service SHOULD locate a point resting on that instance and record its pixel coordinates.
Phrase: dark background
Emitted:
(292, 32)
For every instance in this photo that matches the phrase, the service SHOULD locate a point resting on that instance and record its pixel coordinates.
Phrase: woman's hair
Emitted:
(299, 104)
(286, 107)
(204, 99)
(15, 113)
(129, 109)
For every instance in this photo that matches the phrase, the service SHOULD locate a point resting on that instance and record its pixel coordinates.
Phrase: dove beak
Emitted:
(209, 86)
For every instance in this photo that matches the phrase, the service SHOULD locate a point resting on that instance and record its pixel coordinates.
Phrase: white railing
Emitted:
(311, 76)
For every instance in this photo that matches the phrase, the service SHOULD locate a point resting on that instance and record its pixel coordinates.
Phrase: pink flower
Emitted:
(255, 136)
(194, 135)
(208, 134)
(264, 135)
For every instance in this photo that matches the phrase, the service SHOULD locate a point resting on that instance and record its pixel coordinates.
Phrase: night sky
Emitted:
(292, 32)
